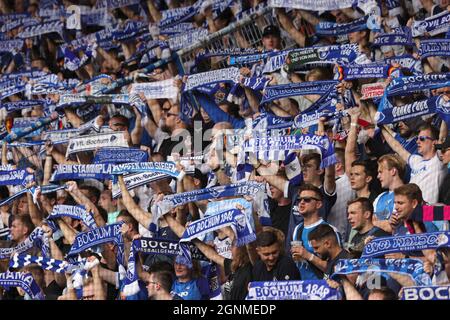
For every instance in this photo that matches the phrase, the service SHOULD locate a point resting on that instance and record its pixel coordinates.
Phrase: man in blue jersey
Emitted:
(310, 202)
(391, 169)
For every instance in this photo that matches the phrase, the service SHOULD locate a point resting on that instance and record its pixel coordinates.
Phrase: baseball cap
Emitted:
(271, 30)
(445, 145)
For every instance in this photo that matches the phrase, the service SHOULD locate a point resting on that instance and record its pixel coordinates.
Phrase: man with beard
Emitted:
(326, 246)
(176, 128)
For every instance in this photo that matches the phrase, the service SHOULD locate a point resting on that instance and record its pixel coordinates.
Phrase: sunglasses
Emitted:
(307, 199)
(424, 138)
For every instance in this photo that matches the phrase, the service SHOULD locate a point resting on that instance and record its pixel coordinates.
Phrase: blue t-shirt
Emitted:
(305, 269)
(195, 289)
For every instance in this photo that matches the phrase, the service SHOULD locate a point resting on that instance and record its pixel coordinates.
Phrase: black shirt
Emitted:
(357, 242)
(444, 191)
(332, 263)
(238, 281)
(285, 269)
(280, 215)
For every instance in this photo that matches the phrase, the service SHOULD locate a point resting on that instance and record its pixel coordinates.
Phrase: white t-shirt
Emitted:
(338, 213)
(428, 175)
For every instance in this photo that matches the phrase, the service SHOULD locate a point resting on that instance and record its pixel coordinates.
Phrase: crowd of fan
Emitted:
(319, 212)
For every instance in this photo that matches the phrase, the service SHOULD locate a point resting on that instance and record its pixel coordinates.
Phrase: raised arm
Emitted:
(143, 217)
(350, 147)
(85, 201)
(394, 144)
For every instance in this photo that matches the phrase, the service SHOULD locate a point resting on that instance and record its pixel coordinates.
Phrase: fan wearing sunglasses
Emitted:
(427, 171)
(310, 201)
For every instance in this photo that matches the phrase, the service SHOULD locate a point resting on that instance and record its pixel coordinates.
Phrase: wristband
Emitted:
(353, 124)
(311, 258)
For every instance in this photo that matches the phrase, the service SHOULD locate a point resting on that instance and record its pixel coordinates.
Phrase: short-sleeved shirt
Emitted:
(301, 232)
(285, 269)
(332, 263)
(428, 175)
(357, 242)
(238, 281)
(195, 289)
(296, 218)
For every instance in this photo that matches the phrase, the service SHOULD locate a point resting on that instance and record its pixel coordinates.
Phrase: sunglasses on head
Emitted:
(307, 199)
(424, 138)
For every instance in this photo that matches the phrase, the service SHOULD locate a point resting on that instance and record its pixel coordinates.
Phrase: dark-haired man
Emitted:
(360, 213)
(273, 265)
(326, 246)
(310, 201)
(159, 284)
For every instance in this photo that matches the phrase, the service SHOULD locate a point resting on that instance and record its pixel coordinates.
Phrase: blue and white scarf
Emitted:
(294, 142)
(73, 62)
(234, 218)
(408, 62)
(82, 171)
(295, 89)
(176, 29)
(292, 290)
(97, 141)
(434, 48)
(335, 29)
(133, 181)
(74, 212)
(15, 177)
(392, 114)
(171, 201)
(250, 58)
(402, 86)
(275, 61)
(165, 247)
(168, 168)
(312, 5)
(411, 242)
(11, 87)
(177, 15)
(183, 40)
(364, 71)
(11, 45)
(114, 4)
(25, 104)
(36, 238)
(23, 123)
(255, 83)
(222, 75)
(433, 25)
(23, 260)
(215, 207)
(120, 155)
(316, 56)
(42, 28)
(411, 267)
(99, 236)
(400, 37)
(153, 246)
(24, 281)
(12, 198)
(426, 293)
(164, 89)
